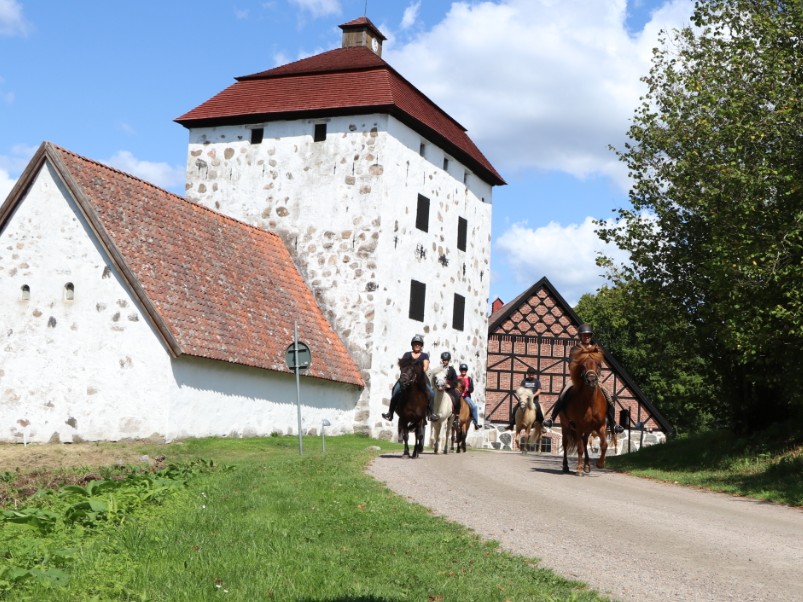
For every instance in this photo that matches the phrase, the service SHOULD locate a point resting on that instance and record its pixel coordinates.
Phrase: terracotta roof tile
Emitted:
(225, 290)
(342, 81)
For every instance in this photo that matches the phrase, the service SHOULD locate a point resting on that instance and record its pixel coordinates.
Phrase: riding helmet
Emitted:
(417, 339)
(530, 370)
(446, 356)
(463, 367)
(585, 329)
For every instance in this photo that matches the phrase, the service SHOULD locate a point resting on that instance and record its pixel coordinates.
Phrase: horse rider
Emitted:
(417, 354)
(468, 389)
(531, 383)
(586, 342)
(451, 379)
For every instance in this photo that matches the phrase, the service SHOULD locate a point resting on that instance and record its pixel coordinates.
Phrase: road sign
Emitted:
(304, 356)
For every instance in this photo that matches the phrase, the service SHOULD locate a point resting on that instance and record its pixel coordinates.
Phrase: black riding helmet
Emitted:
(463, 367)
(585, 329)
(446, 356)
(417, 339)
(530, 370)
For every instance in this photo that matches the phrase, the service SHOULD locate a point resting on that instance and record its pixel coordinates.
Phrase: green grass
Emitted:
(766, 466)
(280, 525)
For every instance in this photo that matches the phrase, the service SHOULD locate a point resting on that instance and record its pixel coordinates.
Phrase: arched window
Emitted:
(26, 292)
(69, 291)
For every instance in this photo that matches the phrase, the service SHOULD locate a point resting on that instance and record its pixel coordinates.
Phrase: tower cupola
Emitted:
(361, 32)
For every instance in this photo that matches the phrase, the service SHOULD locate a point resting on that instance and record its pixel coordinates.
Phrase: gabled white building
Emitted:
(381, 197)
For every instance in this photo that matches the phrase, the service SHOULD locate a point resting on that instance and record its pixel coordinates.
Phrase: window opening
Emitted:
(459, 311)
(256, 135)
(418, 295)
(422, 149)
(69, 292)
(422, 214)
(462, 233)
(25, 292)
(446, 164)
(320, 132)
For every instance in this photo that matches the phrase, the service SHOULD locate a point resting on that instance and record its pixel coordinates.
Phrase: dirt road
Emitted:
(629, 538)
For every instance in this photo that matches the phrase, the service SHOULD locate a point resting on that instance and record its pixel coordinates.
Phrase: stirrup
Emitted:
(547, 423)
(388, 416)
(618, 429)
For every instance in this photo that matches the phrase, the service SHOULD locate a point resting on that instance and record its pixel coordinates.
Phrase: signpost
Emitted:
(298, 357)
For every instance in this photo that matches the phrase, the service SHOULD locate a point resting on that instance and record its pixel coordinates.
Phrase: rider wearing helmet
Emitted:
(417, 354)
(586, 342)
(532, 383)
(468, 389)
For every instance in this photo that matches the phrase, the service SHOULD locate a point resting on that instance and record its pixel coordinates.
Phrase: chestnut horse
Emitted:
(584, 410)
(527, 420)
(460, 422)
(412, 404)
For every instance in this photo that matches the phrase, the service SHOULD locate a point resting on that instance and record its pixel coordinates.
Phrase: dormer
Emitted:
(361, 32)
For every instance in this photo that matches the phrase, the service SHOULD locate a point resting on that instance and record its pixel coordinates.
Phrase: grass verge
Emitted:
(767, 465)
(279, 525)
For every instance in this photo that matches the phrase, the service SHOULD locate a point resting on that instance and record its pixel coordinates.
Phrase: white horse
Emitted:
(527, 421)
(440, 433)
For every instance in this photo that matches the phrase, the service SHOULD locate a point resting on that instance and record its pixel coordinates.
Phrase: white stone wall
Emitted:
(94, 368)
(346, 207)
(87, 369)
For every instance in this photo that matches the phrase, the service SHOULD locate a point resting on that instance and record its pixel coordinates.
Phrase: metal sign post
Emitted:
(298, 357)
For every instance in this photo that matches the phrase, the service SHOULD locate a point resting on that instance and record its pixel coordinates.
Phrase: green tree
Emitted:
(715, 230)
(659, 351)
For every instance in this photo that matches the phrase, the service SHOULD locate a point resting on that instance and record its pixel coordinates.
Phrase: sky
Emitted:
(544, 88)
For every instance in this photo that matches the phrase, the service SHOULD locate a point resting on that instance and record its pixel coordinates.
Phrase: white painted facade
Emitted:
(94, 368)
(346, 208)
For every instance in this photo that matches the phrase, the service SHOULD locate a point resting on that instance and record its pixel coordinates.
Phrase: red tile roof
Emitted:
(344, 81)
(215, 288)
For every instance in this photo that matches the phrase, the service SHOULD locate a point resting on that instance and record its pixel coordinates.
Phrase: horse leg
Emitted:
(603, 448)
(565, 440)
(404, 434)
(586, 459)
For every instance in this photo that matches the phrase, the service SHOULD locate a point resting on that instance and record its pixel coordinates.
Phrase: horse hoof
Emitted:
(586, 469)
(565, 469)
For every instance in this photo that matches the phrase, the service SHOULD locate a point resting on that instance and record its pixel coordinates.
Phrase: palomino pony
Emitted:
(439, 435)
(584, 411)
(460, 422)
(412, 406)
(527, 421)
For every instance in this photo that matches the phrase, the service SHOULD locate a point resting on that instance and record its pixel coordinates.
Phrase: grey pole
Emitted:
(298, 386)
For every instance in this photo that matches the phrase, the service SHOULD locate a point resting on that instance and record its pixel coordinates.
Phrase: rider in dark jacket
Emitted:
(417, 354)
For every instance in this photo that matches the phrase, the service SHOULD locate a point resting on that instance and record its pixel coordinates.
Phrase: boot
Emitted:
(389, 415)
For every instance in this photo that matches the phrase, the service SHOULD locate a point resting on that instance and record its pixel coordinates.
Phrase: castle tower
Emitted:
(382, 199)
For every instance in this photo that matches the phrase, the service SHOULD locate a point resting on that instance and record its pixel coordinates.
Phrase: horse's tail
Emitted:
(570, 440)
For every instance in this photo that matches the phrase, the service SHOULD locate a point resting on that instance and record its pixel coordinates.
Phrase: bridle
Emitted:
(591, 377)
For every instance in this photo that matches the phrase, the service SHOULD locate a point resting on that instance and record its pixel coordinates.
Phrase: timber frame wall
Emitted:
(538, 329)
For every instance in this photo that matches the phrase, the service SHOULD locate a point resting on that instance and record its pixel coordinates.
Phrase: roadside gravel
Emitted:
(628, 538)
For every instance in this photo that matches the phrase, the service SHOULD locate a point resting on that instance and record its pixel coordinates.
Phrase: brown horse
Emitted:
(526, 416)
(460, 422)
(584, 411)
(412, 404)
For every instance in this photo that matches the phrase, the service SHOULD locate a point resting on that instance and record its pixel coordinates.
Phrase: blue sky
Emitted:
(543, 87)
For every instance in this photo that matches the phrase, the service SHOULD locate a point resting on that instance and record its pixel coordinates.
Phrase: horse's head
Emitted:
(587, 366)
(525, 396)
(439, 378)
(412, 372)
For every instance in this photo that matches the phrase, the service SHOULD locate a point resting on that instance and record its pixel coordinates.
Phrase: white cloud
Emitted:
(6, 184)
(410, 15)
(564, 254)
(565, 90)
(163, 175)
(11, 20)
(319, 8)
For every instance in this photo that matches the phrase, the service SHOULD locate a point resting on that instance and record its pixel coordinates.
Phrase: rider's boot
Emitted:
(389, 415)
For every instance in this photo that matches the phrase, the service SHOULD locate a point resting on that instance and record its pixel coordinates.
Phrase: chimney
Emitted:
(497, 305)
(361, 32)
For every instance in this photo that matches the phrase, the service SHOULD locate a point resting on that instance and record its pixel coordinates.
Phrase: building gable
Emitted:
(538, 329)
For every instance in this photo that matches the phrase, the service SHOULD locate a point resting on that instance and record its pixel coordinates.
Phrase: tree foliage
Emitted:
(715, 231)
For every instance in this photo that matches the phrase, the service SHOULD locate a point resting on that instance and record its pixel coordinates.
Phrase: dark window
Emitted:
(256, 135)
(320, 132)
(422, 215)
(422, 149)
(459, 312)
(445, 164)
(462, 233)
(418, 295)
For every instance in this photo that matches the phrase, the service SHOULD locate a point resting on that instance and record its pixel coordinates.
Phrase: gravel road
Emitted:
(650, 540)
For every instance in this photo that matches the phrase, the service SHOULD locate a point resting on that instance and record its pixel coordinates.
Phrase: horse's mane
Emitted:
(417, 367)
(582, 356)
(526, 395)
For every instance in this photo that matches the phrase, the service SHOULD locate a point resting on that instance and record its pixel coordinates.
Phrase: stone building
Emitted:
(129, 312)
(382, 199)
